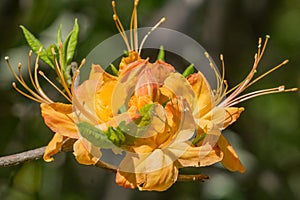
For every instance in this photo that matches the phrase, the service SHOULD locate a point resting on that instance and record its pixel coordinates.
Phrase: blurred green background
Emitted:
(266, 136)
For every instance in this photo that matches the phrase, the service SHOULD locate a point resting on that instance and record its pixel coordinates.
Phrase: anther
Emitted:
(281, 88)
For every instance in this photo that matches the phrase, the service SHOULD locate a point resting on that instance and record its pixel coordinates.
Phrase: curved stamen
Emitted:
(260, 93)
(133, 27)
(152, 29)
(34, 96)
(61, 77)
(120, 26)
(234, 92)
(24, 94)
(39, 88)
(51, 83)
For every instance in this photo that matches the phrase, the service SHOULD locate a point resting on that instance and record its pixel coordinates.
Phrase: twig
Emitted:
(18, 158)
(35, 154)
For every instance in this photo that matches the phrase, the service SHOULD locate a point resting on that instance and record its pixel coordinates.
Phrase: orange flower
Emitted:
(153, 119)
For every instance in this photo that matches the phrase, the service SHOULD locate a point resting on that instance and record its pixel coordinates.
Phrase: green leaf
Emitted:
(161, 54)
(71, 43)
(35, 45)
(198, 139)
(50, 53)
(146, 113)
(115, 135)
(188, 71)
(67, 75)
(58, 37)
(94, 135)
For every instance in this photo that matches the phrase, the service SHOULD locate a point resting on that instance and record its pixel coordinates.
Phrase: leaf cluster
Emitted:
(58, 55)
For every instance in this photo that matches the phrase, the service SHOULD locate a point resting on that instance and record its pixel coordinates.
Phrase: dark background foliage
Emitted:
(266, 136)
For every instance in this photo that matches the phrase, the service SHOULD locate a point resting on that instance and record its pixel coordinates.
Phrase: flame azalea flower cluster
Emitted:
(154, 117)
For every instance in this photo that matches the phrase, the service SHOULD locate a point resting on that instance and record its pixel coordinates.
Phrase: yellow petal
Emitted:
(93, 97)
(200, 157)
(129, 180)
(85, 153)
(180, 87)
(103, 98)
(53, 147)
(96, 72)
(203, 94)
(58, 117)
(160, 180)
(231, 160)
(232, 114)
(220, 117)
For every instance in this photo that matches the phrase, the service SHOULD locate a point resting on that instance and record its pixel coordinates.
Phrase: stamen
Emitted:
(260, 93)
(132, 25)
(152, 29)
(223, 66)
(82, 63)
(135, 26)
(51, 83)
(220, 80)
(120, 26)
(61, 77)
(39, 88)
(268, 72)
(35, 97)
(24, 94)
(29, 69)
(260, 54)
(231, 100)
(20, 72)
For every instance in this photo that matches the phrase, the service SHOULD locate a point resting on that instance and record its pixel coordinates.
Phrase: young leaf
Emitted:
(126, 53)
(67, 74)
(114, 70)
(72, 43)
(58, 37)
(146, 113)
(161, 54)
(35, 45)
(50, 53)
(198, 139)
(115, 135)
(94, 135)
(188, 71)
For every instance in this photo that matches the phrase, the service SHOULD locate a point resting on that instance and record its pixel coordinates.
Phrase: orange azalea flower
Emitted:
(160, 120)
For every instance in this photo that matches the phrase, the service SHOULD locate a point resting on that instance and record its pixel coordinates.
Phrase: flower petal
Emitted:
(85, 153)
(161, 179)
(232, 114)
(203, 94)
(151, 173)
(53, 147)
(58, 117)
(93, 97)
(230, 160)
(180, 87)
(129, 180)
(192, 157)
